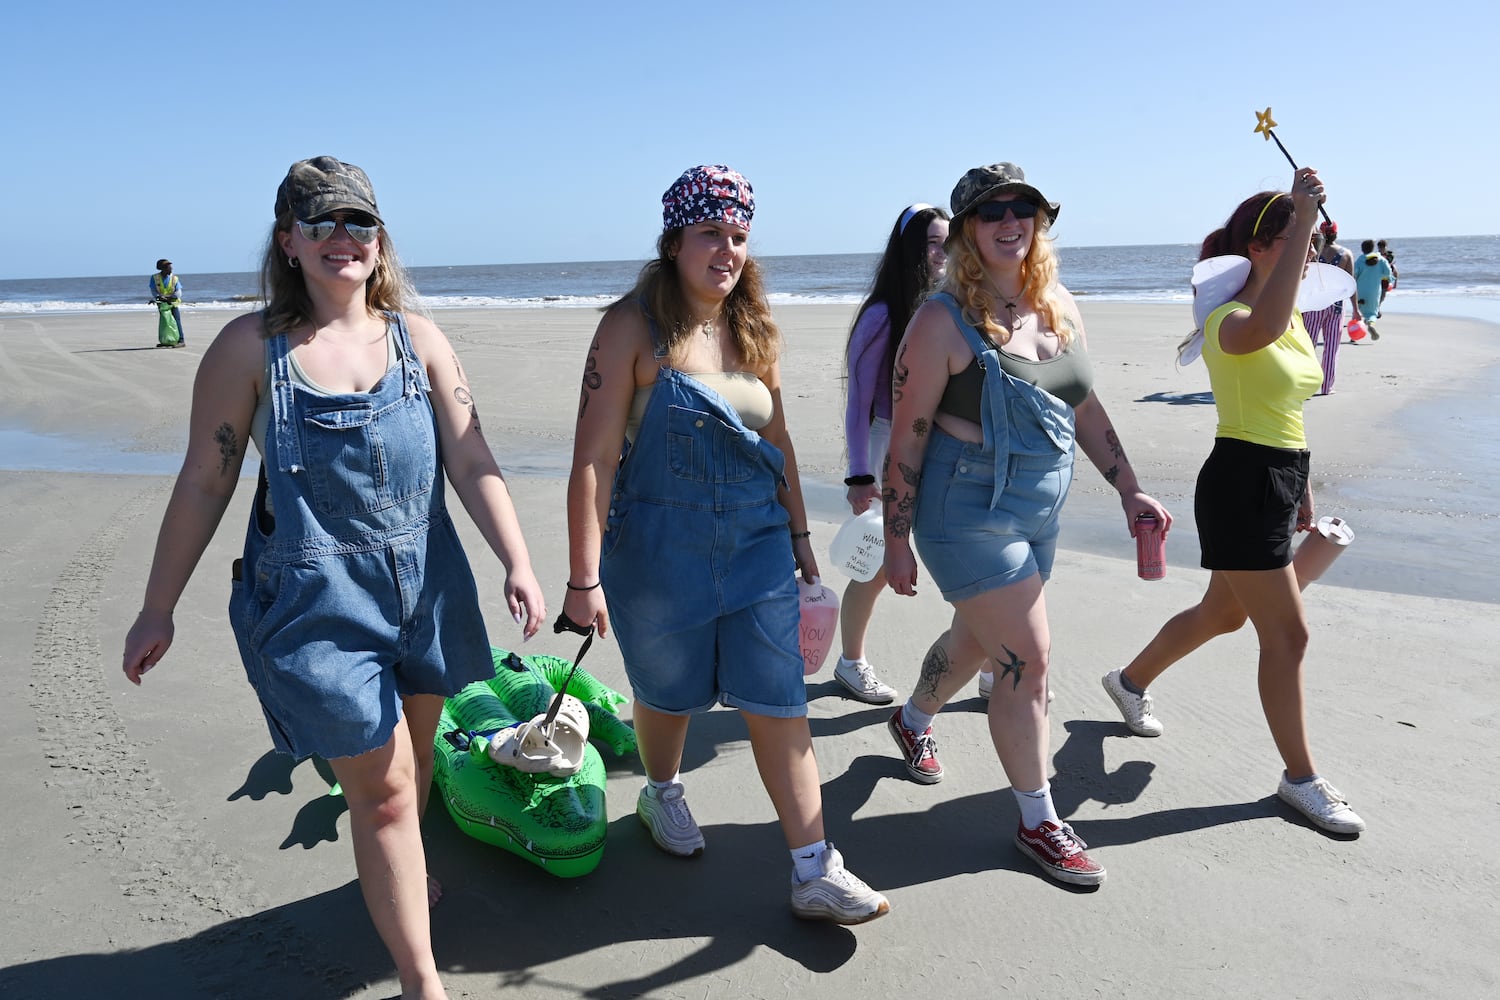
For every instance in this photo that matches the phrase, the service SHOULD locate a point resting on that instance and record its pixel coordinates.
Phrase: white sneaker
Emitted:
(1320, 802)
(1135, 708)
(837, 895)
(858, 677)
(672, 826)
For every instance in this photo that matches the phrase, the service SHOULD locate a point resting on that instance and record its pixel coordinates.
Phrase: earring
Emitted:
(293, 263)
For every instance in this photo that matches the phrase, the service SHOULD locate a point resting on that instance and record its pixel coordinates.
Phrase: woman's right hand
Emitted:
(146, 643)
(900, 567)
(860, 497)
(1307, 192)
(587, 607)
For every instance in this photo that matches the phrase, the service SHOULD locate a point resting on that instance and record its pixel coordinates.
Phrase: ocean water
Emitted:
(1435, 272)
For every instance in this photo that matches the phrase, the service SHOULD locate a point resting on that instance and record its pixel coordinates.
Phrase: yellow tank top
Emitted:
(1259, 395)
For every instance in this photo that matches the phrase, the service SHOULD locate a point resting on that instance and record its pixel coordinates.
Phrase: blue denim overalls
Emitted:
(357, 591)
(697, 562)
(983, 523)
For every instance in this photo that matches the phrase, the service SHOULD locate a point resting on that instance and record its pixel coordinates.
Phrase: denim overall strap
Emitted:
(414, 375)
(288, 443)
(1054, 416)
(658, 349)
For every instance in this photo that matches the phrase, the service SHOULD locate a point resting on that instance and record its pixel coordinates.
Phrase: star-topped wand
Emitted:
(1264, 124)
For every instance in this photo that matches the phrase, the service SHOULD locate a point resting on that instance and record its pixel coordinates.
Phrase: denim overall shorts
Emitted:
(357, 591)
(987, 514)
(697, 563)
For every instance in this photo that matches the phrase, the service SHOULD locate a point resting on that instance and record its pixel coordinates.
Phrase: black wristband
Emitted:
(591, 587)
(802, 534)
(865, 480)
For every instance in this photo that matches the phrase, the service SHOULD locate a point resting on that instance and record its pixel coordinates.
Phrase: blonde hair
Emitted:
(658, 293)
(967, 282)
(284, 292)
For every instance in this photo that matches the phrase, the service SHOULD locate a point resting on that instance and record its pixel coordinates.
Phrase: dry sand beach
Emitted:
(154, 846)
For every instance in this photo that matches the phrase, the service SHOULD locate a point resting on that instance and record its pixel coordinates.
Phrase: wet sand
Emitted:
(156, 846)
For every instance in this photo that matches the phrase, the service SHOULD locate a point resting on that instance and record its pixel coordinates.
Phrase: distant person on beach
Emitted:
(909, 268)
(1326, 326)
(1372, 273)
(992, 387)
(1253, 492)
(1390, 258)
(354, 606)
(686, 527)
(166, 293)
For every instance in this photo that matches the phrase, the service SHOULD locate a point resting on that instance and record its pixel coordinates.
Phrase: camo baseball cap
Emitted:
(983, 183)
(322, 185)
(710, 193)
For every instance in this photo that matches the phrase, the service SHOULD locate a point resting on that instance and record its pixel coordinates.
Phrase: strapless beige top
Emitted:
(742, 390)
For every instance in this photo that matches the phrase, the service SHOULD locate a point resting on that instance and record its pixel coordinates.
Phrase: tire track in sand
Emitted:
(170, 872)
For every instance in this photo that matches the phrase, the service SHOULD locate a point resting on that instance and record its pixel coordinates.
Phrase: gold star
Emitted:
(1264, 124)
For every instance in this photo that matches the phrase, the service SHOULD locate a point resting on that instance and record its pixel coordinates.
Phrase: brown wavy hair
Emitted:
(284, 292)
(967, 283)
(658, 293)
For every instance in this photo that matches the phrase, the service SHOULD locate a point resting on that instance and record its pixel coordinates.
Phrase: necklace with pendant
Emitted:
(1010, 305)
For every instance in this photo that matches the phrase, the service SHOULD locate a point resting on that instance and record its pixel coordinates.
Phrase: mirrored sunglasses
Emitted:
(994, 211)
(321, 229)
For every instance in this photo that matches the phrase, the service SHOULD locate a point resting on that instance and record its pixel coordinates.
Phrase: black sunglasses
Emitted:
(994, 211)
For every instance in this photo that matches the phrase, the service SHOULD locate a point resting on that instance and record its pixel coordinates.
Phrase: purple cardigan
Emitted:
(869, 384)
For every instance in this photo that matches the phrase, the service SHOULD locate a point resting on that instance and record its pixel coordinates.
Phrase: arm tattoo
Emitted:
(465, 397)
(934, 667)
(229, 448)
(591, 379)
(900, 518)
(919, 427)
(1115, 447)
(1111, 474)
(1014, 667)
(899, 373)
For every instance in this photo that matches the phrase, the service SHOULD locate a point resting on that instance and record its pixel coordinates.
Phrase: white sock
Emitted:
(851, 659)
(1036, 806)
(987, 677)
(915, 719)
(808, 861)
(655, 788)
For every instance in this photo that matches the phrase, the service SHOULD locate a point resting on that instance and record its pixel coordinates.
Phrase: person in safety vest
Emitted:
(166, 292)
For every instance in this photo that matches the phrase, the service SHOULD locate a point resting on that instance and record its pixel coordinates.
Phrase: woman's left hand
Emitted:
(524, 597)
(1306, 515)
(807, 563)
(1136, 504)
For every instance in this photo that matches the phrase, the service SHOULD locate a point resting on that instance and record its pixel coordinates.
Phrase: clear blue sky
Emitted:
(502, 132)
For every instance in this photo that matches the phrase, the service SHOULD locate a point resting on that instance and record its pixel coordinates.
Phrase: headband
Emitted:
(1262, 215)
(910, 214)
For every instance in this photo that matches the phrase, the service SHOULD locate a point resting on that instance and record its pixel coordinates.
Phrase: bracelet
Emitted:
(801, 534)
(590, 587)
(865, 480)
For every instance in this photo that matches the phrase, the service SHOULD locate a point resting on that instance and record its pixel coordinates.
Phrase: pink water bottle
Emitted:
(1150, 548)
(819, 620)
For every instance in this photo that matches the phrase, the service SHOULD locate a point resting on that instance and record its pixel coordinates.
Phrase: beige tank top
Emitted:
(742, 390)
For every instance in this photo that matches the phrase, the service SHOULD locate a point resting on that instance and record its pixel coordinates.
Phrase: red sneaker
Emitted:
(919, 749)
(1059, 852)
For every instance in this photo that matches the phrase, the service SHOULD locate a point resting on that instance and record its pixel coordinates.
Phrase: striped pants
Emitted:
(1326, 326)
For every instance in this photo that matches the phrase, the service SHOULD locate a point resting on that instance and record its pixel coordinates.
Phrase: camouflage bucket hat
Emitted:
(983, 183)
(322, 185)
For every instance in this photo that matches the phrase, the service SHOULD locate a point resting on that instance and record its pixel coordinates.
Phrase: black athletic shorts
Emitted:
(1246, 504)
